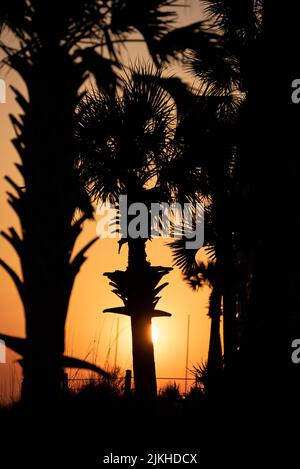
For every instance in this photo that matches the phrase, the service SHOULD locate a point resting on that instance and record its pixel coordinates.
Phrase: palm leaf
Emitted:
(242, 17)
(122, 141)
(151, 18)
(20, 346)
(103, 69)
(183, 258)
(192, 37)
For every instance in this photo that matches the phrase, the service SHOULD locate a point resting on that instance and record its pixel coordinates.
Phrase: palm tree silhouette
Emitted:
(210, 275)
(208, 171)
(242, 59)
(47, 53)
(221, 53)
(123, 144)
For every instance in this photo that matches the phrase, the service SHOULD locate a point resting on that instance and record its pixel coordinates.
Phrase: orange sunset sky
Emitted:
(89, 333)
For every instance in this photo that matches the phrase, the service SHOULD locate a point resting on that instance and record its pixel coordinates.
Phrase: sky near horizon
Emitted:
(89, 333)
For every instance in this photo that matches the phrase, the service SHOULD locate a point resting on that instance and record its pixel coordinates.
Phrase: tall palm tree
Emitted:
(207, 170)
(209, 274)
(209, 164)
(47, 53)
(221, 54)
(248, 46)
(123, 144)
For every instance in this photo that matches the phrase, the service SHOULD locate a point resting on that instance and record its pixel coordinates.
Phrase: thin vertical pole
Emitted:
(117, 343)
(65, 382)
(127, 388)
(187, 354)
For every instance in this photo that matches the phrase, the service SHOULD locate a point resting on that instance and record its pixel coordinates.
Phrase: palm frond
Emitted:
(12, 14)
(240, 17)
(181, 92)
(215, 66)
(127, 283)
(151, 18)
(20, 346)
(123, 140)
(203, 274)
(104, 70)
(175, 43)
(183, 258)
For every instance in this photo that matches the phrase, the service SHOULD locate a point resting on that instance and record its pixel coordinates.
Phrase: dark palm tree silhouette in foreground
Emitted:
(209, 275)
(240, 57)
(123, 144)
(55, 45)
(137, 287)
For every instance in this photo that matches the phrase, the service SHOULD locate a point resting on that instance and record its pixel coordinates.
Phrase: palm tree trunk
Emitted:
(48, 286)
(215, 348)
(226, 268)
(143, 358)
(142, 344)
(42, 370)
(229, 309)
(215, 361)
(45, 209)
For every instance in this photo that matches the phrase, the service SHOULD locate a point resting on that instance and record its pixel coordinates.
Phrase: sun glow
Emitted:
(155, 334)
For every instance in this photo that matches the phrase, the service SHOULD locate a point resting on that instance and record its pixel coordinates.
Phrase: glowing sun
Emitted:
(155, 334)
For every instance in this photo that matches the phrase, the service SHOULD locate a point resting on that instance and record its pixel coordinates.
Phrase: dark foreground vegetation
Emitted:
(87, 426)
